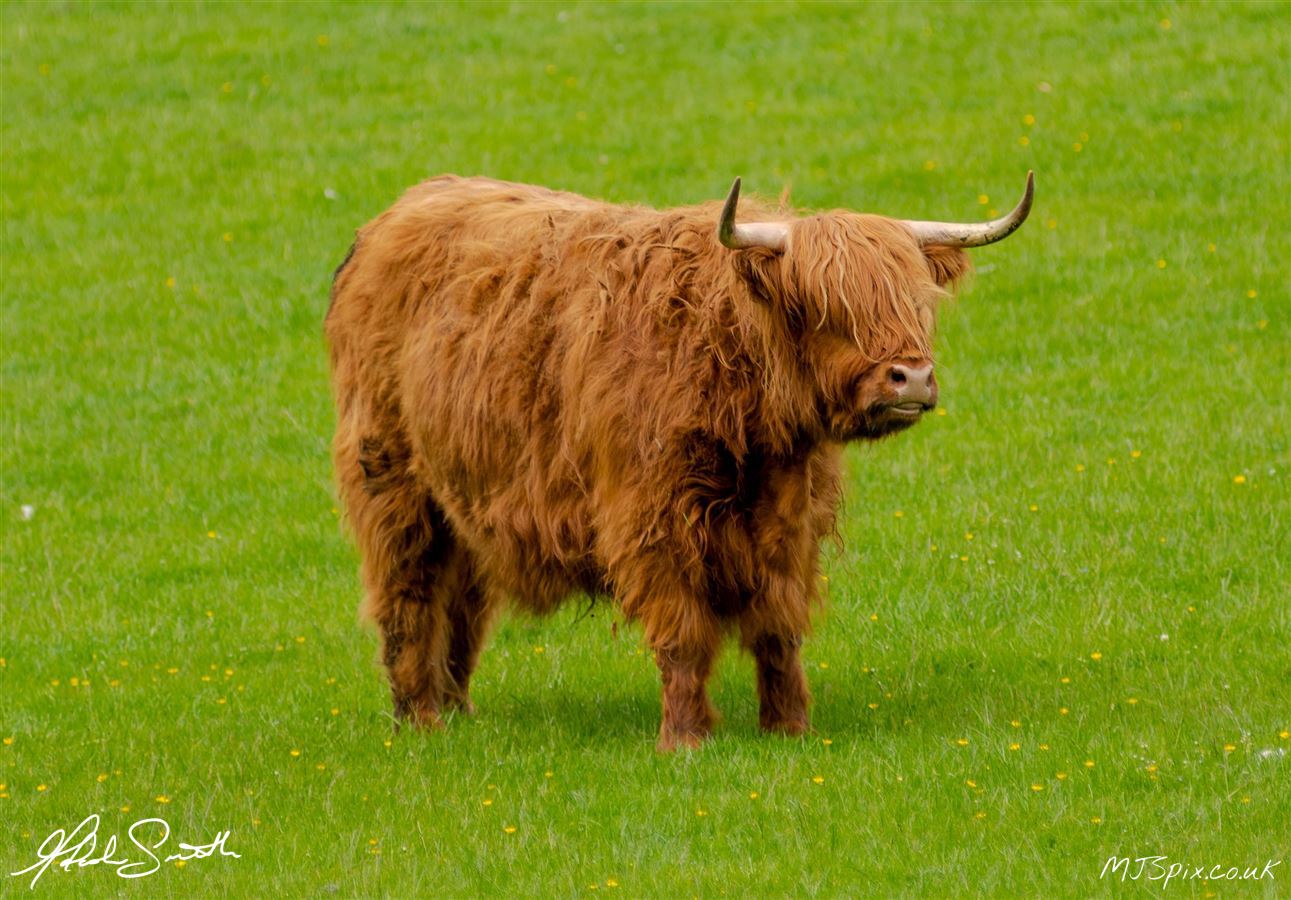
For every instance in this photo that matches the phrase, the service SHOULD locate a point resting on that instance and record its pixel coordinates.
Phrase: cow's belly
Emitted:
(538, 551)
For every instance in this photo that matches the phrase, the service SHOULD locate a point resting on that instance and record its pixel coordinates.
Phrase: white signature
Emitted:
(1156, 869)
(80, 846)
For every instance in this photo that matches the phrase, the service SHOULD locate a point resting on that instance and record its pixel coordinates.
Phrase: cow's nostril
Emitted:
(897, 376)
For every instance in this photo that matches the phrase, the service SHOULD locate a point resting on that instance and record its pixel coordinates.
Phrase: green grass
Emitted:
(185, 565)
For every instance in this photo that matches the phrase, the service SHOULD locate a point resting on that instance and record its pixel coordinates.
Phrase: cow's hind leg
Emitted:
(407, 598)
(413, 649)
(470, 615)
(409, 559)
(433, 641)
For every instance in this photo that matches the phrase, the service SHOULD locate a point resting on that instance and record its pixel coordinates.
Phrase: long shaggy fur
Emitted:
(541, 395)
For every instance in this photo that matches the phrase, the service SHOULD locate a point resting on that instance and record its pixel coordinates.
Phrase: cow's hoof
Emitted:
(788, 727)
(460, 703)
(669, 743)
(420, 718)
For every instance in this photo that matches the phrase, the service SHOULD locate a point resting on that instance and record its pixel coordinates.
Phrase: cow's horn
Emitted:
(957, 234)
(772, 235)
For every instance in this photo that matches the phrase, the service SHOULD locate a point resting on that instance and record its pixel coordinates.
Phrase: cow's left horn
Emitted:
(772, 235)
(957, 234)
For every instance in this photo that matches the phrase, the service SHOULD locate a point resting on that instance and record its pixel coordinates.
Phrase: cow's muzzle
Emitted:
(914, 389)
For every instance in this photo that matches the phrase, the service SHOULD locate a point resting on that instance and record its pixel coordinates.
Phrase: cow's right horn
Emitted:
(772, 235)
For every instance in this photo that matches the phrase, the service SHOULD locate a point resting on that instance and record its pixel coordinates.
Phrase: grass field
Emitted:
(1059, 627)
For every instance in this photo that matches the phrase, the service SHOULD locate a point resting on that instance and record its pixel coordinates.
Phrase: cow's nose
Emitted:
(914, 384)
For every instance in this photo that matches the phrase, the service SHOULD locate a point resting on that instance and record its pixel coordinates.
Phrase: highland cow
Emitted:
(541, 395)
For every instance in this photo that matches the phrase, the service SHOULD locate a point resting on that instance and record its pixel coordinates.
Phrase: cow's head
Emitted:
(858, 294)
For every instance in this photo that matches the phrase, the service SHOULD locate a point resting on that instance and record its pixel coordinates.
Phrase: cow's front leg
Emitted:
(685, 637)
(688, 715)
(782, 686)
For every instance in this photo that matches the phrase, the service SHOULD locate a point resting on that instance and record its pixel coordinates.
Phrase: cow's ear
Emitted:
(760, 269)
(947, 265)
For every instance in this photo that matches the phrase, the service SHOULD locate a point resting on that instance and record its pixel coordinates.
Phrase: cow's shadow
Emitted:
(954, 685)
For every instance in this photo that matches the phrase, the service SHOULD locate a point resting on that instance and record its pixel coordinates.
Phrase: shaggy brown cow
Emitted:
(542, 395)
